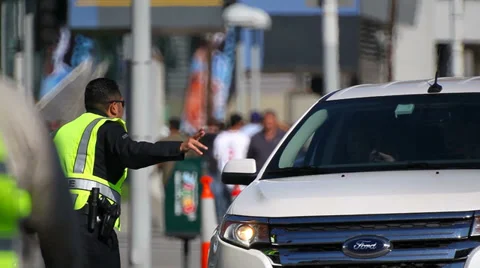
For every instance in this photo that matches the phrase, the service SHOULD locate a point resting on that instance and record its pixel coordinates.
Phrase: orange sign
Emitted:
(154, 3)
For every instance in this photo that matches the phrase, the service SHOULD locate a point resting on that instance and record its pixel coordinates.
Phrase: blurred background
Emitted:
(203, 70)
(378, 41)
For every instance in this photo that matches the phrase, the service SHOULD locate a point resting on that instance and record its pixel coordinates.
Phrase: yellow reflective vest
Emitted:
(76, 145)
(15, 204)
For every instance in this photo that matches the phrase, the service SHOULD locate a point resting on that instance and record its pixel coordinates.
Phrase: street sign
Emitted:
(182, 199)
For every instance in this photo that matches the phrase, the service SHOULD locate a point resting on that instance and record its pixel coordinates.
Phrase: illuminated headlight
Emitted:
(476, 225)
(244, 232)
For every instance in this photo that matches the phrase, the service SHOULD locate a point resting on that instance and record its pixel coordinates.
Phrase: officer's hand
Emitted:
(192, 143)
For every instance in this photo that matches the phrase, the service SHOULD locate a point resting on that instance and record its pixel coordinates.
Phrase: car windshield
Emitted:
(383, 133)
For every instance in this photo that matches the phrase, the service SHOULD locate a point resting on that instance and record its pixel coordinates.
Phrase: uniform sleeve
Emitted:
(139, 154)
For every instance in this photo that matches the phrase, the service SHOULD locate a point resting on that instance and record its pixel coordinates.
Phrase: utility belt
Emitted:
(87, 185)
(101, 214)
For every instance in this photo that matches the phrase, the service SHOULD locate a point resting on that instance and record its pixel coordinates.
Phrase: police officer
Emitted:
(15, 204)
(95, 151)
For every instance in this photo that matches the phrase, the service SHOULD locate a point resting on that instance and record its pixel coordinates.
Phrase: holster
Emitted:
(93, 209)
(109, 215)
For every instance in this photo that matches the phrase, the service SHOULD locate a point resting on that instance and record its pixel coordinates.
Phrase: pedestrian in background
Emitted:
(264, 142)
(228, 145)
(255, 124)
(220, 191)
(175, 135)
(95, 152)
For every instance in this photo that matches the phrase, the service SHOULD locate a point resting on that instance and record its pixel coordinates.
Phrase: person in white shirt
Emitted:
(254, 126)
(231, 143)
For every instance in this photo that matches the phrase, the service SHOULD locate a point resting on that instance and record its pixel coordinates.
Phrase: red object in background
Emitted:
(236, 191)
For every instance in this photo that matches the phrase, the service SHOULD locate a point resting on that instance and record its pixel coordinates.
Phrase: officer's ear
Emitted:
(112, 110)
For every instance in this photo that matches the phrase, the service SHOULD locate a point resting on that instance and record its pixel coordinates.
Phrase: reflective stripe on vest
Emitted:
(81, 159)
(83, 184)
(81, 162)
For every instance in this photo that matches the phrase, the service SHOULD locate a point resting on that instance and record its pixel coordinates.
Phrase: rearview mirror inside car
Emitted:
(239, 171)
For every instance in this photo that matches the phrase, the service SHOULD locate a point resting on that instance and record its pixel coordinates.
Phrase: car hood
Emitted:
(361, 193)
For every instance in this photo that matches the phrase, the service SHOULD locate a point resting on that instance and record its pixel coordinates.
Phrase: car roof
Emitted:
(415, 87)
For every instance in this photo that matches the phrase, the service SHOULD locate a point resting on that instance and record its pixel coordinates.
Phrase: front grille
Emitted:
(397, 265)
(375, 226)
(417, 240)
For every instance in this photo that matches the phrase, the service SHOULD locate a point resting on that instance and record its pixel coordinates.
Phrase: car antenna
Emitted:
(436, 87)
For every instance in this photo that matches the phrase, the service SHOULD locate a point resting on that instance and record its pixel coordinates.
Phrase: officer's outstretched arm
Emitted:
(139, 154)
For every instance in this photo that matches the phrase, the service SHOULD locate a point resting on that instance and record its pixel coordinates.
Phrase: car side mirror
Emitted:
(239, 171)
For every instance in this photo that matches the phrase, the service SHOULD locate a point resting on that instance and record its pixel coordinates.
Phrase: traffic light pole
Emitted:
(3, 37)
(330, 45)
(140, 214)
(28, 49)
(456, 31)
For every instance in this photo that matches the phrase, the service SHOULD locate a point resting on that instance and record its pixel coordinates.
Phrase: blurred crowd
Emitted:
(255, 138)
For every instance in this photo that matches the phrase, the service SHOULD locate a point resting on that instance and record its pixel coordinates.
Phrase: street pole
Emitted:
(140, 214)
(255, 71)
(28, 50)
(391, 37)
(456, 30)
(330, 45)
(240, 77)
(161, 95)
(4, 43)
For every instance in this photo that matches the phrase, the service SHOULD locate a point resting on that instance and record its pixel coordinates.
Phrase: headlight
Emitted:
(476, 225)
(244, 231)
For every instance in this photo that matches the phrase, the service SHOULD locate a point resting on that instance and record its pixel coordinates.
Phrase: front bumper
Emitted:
(434, 240)
(225, 255)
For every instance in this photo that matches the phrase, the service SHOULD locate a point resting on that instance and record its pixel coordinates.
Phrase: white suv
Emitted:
(377, 176)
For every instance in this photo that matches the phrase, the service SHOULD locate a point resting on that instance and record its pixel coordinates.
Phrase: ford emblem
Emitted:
(366, 247)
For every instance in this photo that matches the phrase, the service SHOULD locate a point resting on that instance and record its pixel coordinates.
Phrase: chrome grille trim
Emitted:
(285, 237)
(317, 241)
(291, 257)
(383, 265)
(371, 218)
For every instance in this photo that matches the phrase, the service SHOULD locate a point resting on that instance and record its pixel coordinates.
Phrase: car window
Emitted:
(366, 132)
(298, 141)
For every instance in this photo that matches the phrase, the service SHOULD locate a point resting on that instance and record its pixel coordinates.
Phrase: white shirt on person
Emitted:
(229, 145)
(251, 129)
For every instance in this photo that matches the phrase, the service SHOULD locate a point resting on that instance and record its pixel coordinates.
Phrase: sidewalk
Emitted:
(157, 197)
(166, 252)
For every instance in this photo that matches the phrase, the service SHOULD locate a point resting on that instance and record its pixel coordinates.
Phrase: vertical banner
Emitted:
(194, 111)
(223, 62)
(223, 59)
